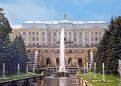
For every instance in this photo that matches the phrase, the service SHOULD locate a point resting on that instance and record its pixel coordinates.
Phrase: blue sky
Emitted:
(19, 11)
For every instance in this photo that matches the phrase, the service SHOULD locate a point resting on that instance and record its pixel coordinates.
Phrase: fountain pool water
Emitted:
(62, 70)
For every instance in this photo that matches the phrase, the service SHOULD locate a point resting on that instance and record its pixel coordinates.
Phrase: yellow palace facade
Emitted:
(81, 37)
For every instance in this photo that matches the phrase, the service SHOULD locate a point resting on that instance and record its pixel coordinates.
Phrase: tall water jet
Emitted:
(62, 70)
(95, 70)
(91, 57)
(27, 69)
(91, 60)
(3, 72)
(62, 48)
(18, 70)
(35, 61)
(103, 67)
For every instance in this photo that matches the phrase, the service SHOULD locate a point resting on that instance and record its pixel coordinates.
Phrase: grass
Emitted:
(97, 80)
(18, 77)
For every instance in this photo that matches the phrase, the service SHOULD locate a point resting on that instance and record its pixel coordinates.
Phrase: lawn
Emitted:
(97, 80)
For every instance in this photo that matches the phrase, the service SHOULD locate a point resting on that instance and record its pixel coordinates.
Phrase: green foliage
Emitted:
(109, 48)
(5, 28)
(22, 54)
(11, 53)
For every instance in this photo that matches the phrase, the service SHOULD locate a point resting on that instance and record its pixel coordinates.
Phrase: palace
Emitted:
(81, 37)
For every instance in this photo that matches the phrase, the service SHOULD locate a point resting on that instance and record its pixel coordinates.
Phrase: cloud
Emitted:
(27, 10)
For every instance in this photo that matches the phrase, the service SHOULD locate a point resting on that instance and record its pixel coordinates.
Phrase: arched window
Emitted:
(57, 61)
(69, 60)
(80, 62)
(33, 38)
(96, 38)
(48, 62)
(70, 51)
(95, 33)
(43, 33)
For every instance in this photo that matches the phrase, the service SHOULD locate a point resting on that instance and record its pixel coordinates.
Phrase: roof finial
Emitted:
(65, 16)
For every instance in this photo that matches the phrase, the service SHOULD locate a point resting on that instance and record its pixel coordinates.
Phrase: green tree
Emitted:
(101, 54)
(114, 50)
(109, 49)
(21, 49)
(5, 28)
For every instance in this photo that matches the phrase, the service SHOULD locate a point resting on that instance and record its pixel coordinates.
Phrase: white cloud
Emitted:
(22, 11)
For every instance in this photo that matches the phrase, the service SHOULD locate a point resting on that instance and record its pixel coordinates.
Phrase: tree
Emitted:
(114, 50)
(21, 49)
(5, 28)
(101, 54)
(109, 49)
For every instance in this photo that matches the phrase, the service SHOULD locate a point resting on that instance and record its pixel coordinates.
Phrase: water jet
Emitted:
(62, 70)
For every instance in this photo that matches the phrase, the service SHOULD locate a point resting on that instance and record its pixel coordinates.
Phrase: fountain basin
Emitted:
(62, 74)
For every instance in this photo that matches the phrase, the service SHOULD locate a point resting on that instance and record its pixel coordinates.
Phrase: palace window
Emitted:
(75, 34)
(96, 44)
(43, 39)
(92, 44)
(24, 33)
(80, 34)
(96, 38)
(69, 38)
(37, 39)
(54, 39)
(91, 38)
(49, 33)
(29, 33)
(54, 33)
(100, 33)
(37, 44)
(37, 33)
(33, 44)
(91, 33)
(69, 33)
(33, 33)
(43, 33)
(33, 38)
(85, 33)
(79, 39)
(95, 33)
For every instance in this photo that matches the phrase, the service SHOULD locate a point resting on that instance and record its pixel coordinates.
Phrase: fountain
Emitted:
(35, 61)
(103, 66)
(91, 60)
(87, 67)
(94, 70)
(62, 70)
(27, 69)
(119, 69)
(3, 72)
(18, 70)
